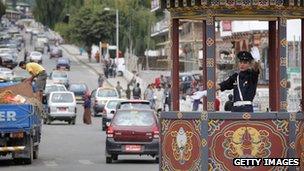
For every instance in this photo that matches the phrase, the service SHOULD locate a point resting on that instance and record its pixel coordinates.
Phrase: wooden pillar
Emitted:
(302, 62)
(210, 54)
(175, 63)
(282, 46)
(204, 64)
(274, 60)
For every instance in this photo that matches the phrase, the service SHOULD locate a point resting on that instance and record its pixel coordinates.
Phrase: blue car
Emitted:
(63, 63)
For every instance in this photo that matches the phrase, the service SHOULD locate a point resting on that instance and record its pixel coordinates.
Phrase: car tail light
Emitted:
(155, 132)
(110, 132)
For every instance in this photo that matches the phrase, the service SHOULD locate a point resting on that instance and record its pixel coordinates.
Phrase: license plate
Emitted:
(62, 109)
(133, 148)
(62, 67)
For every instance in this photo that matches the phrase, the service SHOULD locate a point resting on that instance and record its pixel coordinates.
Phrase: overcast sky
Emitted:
(293, 27)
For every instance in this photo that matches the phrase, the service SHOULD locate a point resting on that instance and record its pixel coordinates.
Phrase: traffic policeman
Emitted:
(243, 83)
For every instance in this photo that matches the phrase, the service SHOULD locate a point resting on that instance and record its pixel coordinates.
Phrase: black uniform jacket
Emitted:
(248, 84)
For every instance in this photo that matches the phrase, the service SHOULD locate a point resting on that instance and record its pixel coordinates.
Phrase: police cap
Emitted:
(244, 56)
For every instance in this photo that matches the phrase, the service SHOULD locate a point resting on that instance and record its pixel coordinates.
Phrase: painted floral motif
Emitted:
(182, 145)
(247, 142)
(282, 126)
(214, 125)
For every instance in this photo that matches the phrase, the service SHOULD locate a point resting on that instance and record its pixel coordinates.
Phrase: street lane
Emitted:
(76, 147)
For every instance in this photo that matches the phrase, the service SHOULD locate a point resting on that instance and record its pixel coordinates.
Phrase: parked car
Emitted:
(39, 46)
(99, 98)
(109, 111)
(79, 90)
(63, 63)
(6, 73)
(132, 132)
(51, 88)
(35, 57)
(8, 60)
(56, 52)
(62, 107)
(60, 77)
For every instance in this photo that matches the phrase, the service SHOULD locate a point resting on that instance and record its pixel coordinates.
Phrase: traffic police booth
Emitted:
(210, 140)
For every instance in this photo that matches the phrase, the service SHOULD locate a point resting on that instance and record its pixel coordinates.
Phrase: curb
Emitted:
(84, 63)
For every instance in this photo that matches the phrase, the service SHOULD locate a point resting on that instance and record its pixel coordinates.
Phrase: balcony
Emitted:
(160, 28)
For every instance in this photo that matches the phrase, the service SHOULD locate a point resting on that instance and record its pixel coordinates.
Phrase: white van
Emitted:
(62, 107)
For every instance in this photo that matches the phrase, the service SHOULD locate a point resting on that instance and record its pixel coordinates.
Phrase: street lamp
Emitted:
(117, 31)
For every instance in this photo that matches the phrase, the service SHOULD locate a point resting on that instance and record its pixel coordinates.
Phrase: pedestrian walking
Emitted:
(149, 95)
(119, 89)
(197, 98)
(137, 92)
(168, 97)
(159, 99)
(101, 79)
(243, 83)
(37, 72)
(128, 92)
(87, 110)
(229, 104)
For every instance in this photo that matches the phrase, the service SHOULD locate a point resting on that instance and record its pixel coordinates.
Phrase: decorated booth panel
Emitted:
(212, 141)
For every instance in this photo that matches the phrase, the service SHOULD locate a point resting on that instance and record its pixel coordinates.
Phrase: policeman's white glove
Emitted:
(255, 53)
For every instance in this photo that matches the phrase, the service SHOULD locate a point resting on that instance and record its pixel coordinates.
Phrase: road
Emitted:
(76, 147)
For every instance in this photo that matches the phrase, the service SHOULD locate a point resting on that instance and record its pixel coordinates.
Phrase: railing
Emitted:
(159, 27)
(210, 141)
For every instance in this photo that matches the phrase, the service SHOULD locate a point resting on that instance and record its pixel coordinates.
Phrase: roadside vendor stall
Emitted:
(210, 140)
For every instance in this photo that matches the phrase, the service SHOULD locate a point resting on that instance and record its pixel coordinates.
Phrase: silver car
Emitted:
(100, 97)
(62, 107)
(109, 111)
(60, 77)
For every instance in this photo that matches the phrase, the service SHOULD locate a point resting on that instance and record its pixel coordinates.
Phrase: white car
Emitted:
(109, 111)
(62, 107)
(100, 97)
(6, 73)
(51, 88)
(35, 57)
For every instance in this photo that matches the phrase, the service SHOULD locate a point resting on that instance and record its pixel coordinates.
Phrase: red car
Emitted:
(132, 132)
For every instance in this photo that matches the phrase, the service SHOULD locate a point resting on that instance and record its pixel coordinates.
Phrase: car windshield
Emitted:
(60, 74)
(63, 61)
(134, 118)
(78, 87)
(107, 93)
(36, 54)
(62, 98)
(52, 88)
(112, 104)
(139, 106)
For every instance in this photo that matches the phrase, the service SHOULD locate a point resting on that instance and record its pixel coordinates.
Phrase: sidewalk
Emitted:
(96, 67)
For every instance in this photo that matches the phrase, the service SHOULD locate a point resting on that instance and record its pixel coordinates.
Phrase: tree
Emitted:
(49, 12)
(92, 25)
(2, 9)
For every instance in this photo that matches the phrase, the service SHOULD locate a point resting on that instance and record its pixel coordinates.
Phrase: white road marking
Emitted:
(50, 163)
(85, 162)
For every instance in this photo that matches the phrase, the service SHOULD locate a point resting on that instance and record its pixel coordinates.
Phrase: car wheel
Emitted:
(36, 153)
(73, 121)
(156, 159)
(30, 158)
(115, 157)
(48, 121)
(109, 160)
(44, 121)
